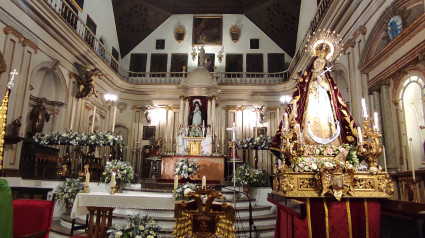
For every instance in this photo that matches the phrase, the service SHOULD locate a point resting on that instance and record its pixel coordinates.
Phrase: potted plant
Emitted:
(67, 191)
(246, 177)
(123, 173)
(137, 227)
(182, 190)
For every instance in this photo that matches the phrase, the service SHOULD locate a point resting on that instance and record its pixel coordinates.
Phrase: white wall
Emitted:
(104, 20)
(166, 31)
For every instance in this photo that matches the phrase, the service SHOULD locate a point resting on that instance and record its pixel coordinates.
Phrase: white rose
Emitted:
(141, 227)
(149, 236)
(110, 137)
(177, 170)
(184, 166)
(138, 237)
(187, 190)
(190, 169)
(118, 234)
(314, 166)
(93, 137)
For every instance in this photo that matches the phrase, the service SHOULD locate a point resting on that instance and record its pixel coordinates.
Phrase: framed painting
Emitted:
(260, 131)
(207, 30)
(209, 61)
(160, 44)
(148, 132)
(177, 63)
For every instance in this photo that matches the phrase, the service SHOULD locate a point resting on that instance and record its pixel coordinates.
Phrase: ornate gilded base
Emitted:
(354, 185)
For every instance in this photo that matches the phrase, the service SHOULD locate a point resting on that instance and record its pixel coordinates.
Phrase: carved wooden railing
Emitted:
(69, 13)
(321, 11)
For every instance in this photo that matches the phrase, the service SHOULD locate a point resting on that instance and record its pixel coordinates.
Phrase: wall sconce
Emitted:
(110, 99)
(193, 53)
(285, 99)
(220, 54)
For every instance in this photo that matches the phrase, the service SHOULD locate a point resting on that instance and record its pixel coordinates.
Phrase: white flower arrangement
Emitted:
(182, 190)
(73, 138)
(246, 175)
(137, 227)
(186, 167)
(68, 190)
(256, 143)
(196, 131)
(327, 150)
(123, 172)
(314, 164)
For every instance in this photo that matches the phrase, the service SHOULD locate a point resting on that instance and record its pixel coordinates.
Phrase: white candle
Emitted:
(277, 118)
(286, 121)
(294, 108)
(113, 180)
(204, 182)
(385, 158)
(359, 131)
(364, 108)
(87, 179)
(176, 182)
(113, 120)
(93, 120)
(375, 115)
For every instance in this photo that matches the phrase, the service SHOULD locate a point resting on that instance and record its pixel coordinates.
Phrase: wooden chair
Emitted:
(32, 218)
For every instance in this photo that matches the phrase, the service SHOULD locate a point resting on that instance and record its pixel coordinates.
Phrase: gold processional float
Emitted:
(324, 170)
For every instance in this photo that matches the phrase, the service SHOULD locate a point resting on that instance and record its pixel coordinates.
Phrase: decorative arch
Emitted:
(340, 75)
(379, 40)
(411, 108)
(54, 76)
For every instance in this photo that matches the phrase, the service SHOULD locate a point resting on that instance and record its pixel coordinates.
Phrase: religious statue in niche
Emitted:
(38, 116)
(181, 142)
(85, 80)
(156, 147)
(231, 147)
(16, 124)
(196, 117)
(207, 142)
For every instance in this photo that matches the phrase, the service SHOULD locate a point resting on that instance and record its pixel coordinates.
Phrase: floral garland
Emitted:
(256, 143)
(246, 175)
(138, 227)
(186, 167)
(196, 132)
(183, 190)
(68, 190)
(327, 150)
(123, 172)
(73, 138)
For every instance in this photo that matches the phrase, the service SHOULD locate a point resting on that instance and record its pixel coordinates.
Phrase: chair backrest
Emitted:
(31, 216)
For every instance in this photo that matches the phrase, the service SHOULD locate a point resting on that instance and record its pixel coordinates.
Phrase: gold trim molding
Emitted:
(13, 31)
(180, 30)
(31, 44)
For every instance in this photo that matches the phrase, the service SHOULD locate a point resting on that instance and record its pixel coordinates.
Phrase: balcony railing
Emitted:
(315, 22)
(69, 13)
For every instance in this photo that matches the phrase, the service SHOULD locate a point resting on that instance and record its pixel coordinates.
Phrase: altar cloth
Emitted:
(118, 200)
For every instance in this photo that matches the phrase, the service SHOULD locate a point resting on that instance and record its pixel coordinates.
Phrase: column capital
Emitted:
(13, 31)
(30, 43)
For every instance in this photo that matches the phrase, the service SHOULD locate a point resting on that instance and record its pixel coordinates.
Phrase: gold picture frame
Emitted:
(207, 30)
(180, 33)
(235, 33)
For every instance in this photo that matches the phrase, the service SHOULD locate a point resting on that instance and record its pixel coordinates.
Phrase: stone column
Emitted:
(209, 112)
(186, 111)
(388, 128)
(181, 113)
(213, 112)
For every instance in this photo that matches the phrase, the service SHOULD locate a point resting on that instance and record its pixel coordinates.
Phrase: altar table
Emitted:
(212, 167)
(102, 205)
(327, 217)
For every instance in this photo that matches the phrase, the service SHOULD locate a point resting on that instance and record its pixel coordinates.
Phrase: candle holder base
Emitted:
(86, 189)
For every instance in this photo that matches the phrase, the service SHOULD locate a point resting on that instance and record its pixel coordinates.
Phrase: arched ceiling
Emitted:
(136, 19)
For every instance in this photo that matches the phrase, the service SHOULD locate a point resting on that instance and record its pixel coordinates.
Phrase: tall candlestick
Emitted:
(359, 131)
(294, 108)
(176, 182)
(375, 115)
(256, 123)
(412, 160)
(87, 179)
(286, 121)
(113, 120)
(277, 118)
(113, 180)
(385, 158)
(93, 120)
(222, 139)
(204, 182)
(364, 108)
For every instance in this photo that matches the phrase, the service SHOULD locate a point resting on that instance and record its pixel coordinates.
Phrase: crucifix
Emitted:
(234, 129)
(10, 84)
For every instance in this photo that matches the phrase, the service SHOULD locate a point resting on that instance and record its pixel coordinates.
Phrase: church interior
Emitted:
(161, 118)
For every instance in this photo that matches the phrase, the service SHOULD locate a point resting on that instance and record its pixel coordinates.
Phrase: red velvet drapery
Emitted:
(356, 218)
